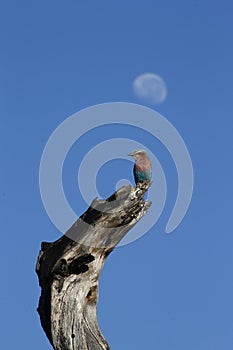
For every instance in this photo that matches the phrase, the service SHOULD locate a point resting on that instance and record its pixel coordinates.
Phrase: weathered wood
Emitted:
(69, 268)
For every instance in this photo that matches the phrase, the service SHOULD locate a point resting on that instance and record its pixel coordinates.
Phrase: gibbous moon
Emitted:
(150, 87)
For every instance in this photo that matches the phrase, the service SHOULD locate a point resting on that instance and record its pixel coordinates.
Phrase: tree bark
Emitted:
(69, 268)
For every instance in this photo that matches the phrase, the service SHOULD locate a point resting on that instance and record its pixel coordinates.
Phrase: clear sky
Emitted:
(162, 291)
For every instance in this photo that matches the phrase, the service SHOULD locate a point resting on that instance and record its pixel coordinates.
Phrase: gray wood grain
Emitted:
(69, 268)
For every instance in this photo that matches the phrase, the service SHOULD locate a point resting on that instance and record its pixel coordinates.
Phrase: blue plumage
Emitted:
(140, 176)
(142, 167)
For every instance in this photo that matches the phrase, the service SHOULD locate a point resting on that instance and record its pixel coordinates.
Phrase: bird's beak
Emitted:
(131, 154)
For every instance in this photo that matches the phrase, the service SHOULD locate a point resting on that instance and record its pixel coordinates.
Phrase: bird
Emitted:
(142, 167)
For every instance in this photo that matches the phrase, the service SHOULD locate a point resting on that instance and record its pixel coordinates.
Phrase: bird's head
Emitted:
(138, 153)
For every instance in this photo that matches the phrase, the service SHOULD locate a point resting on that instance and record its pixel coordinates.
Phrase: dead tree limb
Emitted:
(69, 268)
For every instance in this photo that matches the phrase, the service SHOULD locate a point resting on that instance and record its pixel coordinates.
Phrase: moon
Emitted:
(150, 87)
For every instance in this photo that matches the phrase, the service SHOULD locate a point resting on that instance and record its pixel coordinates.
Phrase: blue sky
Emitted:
(57, 57)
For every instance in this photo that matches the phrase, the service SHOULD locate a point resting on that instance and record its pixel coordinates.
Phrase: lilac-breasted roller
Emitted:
(142, 167)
